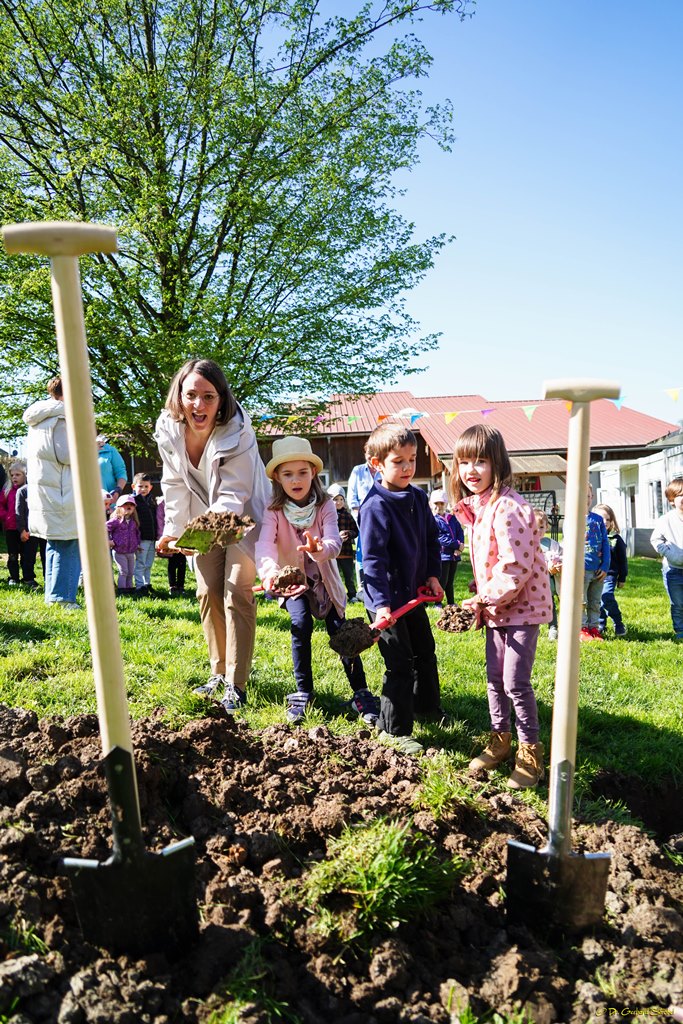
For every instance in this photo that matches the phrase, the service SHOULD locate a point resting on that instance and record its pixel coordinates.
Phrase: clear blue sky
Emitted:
(564, 191)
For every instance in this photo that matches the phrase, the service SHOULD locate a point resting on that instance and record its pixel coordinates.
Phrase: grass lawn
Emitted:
(630, 721)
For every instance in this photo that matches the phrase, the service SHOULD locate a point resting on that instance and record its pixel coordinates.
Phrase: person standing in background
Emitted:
(52, 513)
(361, 479)
(112, 467)
(348, 531)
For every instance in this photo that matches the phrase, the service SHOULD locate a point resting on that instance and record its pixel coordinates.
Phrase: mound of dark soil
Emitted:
(259, 806)
(353, 637)
(225, 527)
(288, 576)
(454, 619)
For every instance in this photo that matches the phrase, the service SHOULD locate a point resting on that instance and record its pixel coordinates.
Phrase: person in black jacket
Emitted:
(616, 576)
(146, 507)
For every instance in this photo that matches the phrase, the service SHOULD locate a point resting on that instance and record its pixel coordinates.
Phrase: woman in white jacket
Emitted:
(211, 463)
(51, 510)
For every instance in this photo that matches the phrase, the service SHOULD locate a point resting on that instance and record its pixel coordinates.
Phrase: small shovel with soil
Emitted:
(553, 888)
(213, 529)
(134, 902)
(355, 636)
(454, 619)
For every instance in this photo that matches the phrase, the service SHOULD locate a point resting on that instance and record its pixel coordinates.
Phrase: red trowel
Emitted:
(135, 901)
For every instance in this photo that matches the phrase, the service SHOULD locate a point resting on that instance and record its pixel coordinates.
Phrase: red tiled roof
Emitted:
(346, 415)
(533, 426)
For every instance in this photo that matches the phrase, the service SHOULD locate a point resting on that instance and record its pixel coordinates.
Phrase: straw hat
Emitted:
(292, 449)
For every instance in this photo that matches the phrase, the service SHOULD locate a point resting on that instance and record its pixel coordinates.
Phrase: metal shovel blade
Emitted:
(563, 892)
(134, 902)
(137, 906)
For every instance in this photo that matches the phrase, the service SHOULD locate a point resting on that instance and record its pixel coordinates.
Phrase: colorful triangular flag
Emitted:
(672, 393)
(529, 410)
(352, 419)
(485, 412)
(382, 418)
(449, 416)
(617, 401)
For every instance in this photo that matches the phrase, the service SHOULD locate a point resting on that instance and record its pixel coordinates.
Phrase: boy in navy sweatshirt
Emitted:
(596, 563)
(401, 552)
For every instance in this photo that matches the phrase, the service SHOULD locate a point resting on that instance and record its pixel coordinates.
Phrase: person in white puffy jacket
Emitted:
(51, 510)
(211, 463)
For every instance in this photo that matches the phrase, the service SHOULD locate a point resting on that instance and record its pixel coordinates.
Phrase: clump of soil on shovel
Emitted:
(353, 637)
(288, 576)
(454, 619)
(226, 526)
(262, 807)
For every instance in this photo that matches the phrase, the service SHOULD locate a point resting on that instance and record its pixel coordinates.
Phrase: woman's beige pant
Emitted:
(227, 609)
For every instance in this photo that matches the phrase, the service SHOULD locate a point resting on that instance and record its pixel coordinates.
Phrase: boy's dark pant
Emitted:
(447, 579)
(347, 571)
(411, 676)
(21, 552)
(177, 564)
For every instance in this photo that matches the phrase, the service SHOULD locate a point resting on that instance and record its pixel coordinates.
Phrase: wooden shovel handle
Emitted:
(565, 706)
(63, 242)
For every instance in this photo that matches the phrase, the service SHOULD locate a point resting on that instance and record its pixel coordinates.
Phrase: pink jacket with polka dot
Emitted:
(507, 560)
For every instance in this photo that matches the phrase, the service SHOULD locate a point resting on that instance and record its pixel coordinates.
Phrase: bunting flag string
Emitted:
(413, 415)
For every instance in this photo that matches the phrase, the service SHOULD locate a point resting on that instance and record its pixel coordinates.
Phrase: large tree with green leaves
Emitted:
(246, 150)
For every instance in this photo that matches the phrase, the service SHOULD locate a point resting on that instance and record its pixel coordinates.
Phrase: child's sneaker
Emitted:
(234, 698)
(366, 706)
(208, 689)
(620, 630)
(297, 705)
(552, 632)
(404, 744)
(596, 633)
(586, 634)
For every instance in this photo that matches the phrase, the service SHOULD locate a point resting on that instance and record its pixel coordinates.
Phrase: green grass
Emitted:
(247, 987)
(374, 878)
(631, 714)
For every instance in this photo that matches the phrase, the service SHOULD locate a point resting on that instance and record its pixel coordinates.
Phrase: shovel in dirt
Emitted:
(213, 529)
(355, 636)
(135, 901)
(553, 888)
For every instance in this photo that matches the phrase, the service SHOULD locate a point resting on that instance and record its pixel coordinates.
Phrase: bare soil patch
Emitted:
(260, 806)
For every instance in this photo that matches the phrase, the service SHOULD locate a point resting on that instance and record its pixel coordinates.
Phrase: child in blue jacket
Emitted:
(616, 576)
(597, 560)
(401, 553)
(451, 541)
